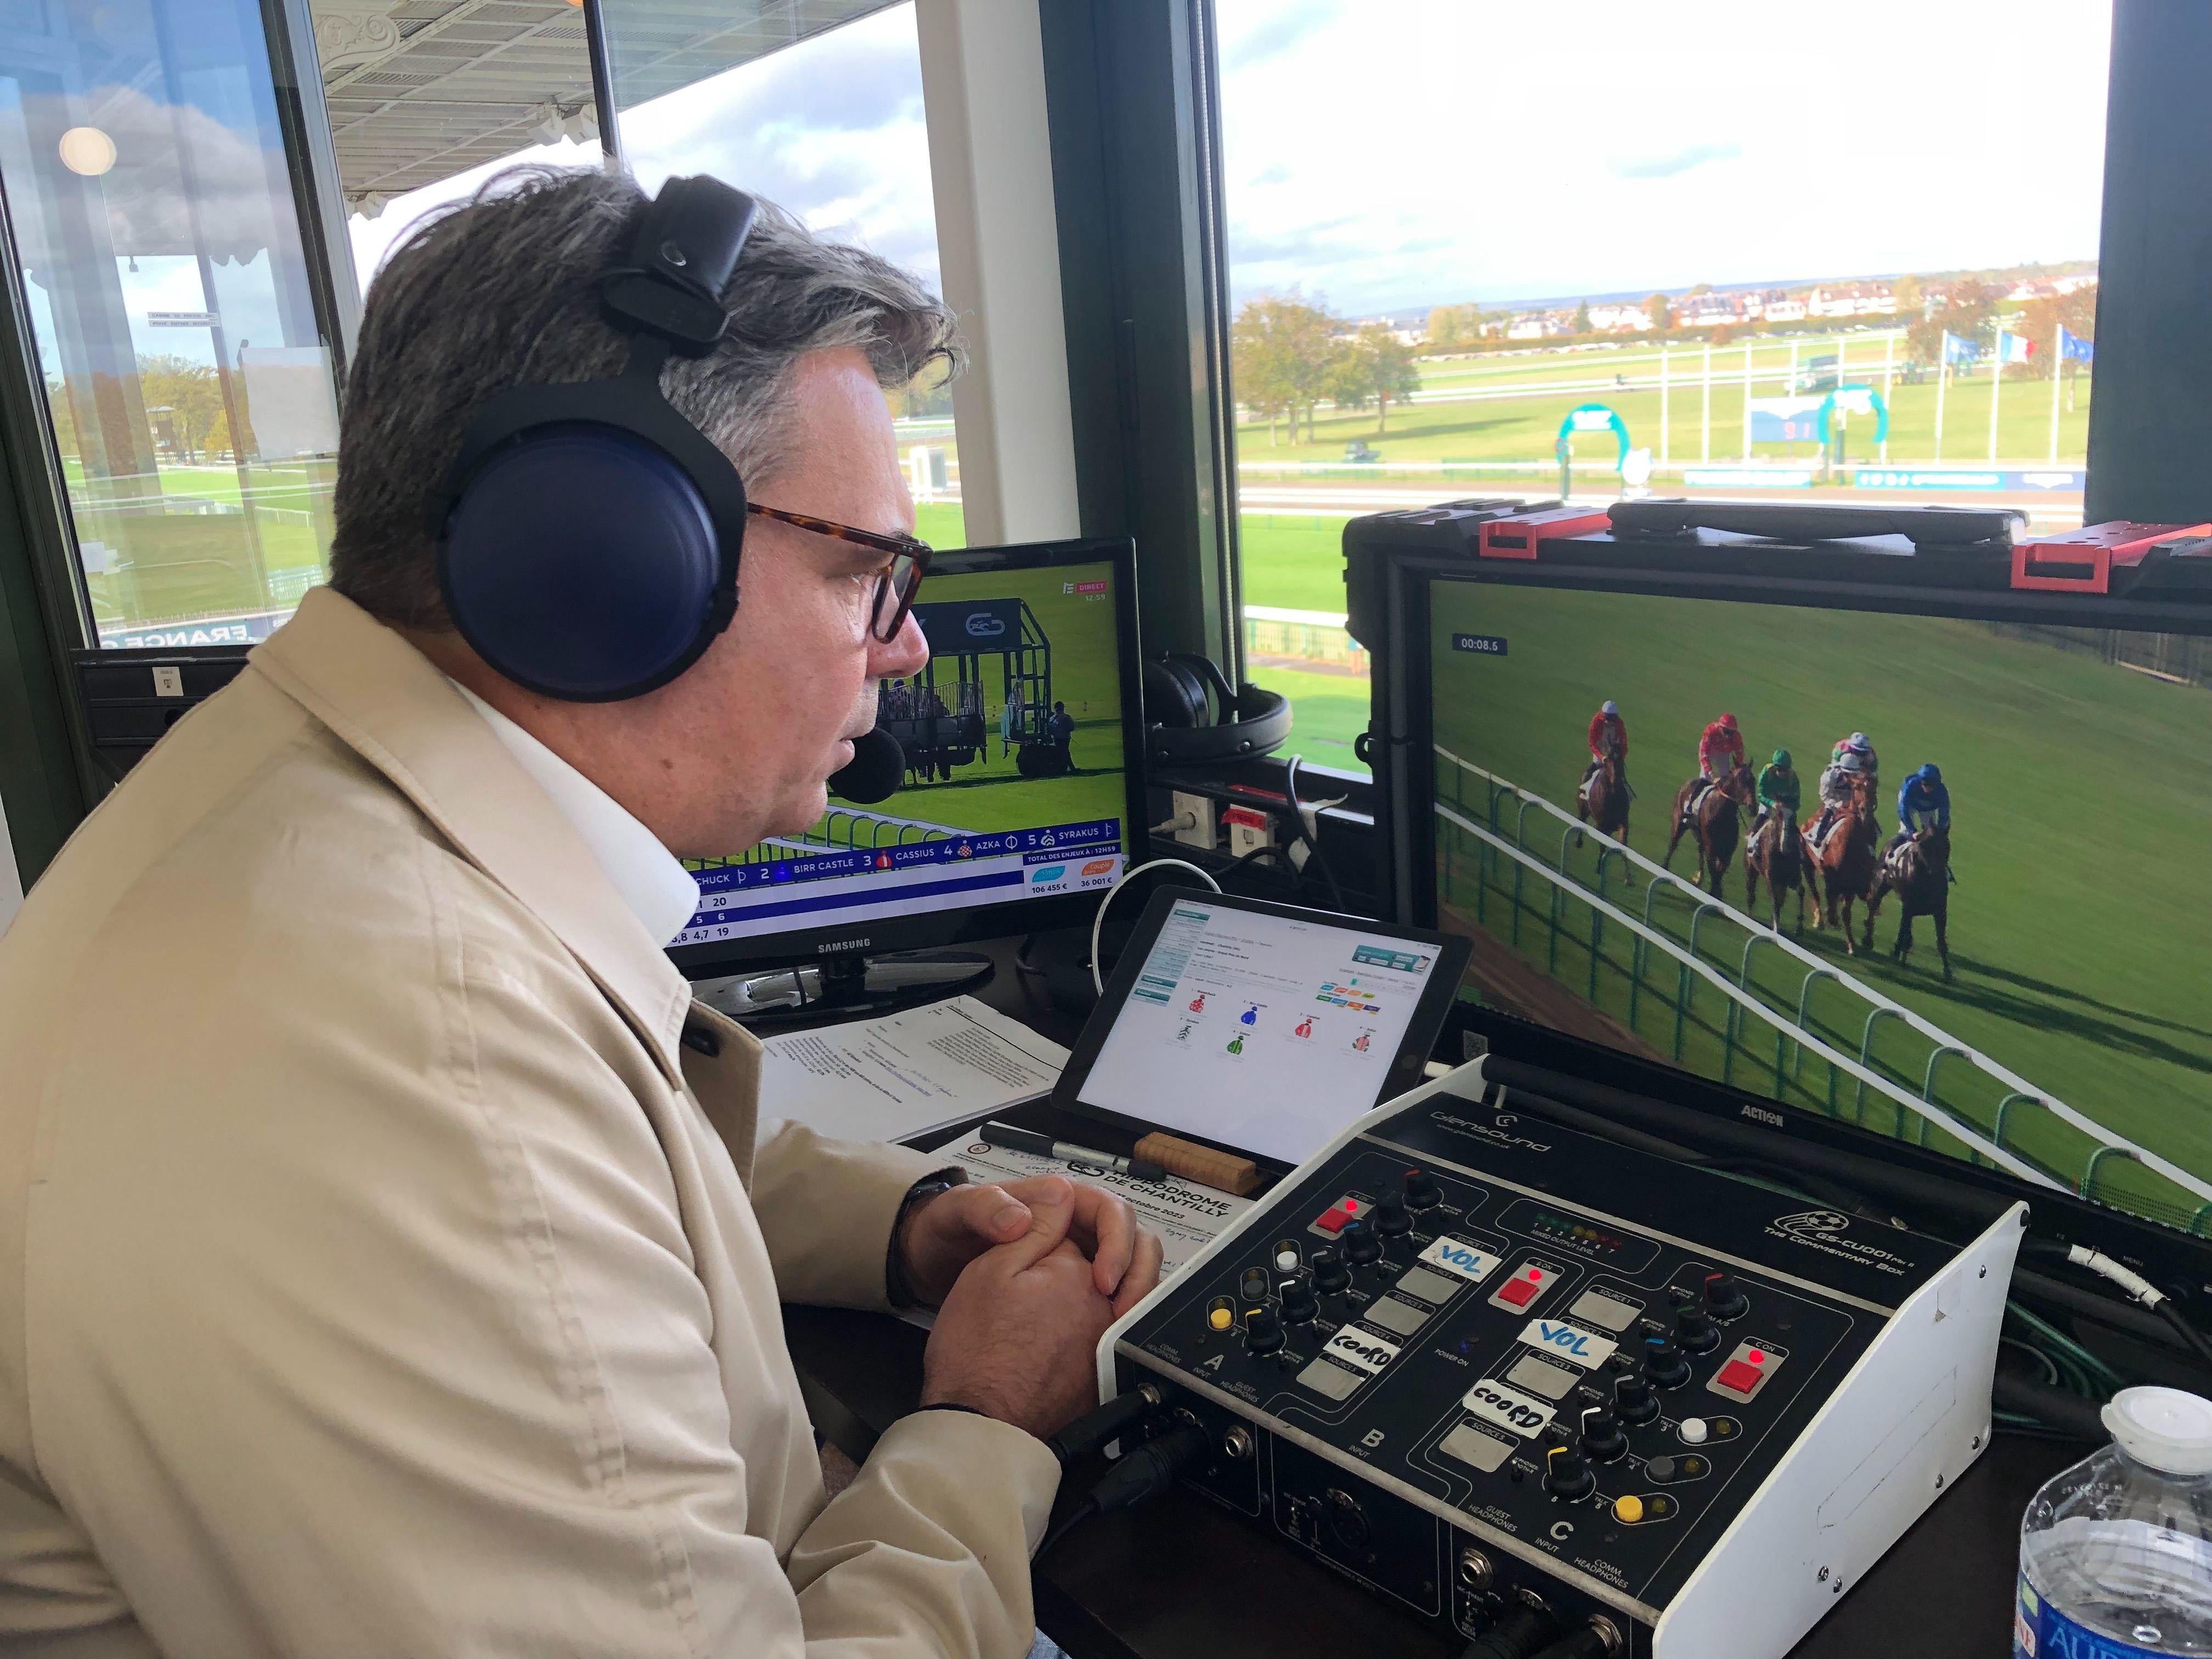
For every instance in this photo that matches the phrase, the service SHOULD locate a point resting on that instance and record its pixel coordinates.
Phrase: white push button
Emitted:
(1693, 1430)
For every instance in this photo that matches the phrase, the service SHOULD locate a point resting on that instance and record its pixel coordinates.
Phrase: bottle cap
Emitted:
(2164, 1428)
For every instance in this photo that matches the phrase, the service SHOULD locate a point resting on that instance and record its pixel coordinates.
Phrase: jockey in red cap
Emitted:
(1720, 751)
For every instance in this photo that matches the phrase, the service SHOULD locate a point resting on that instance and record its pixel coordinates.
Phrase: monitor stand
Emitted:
(847, 985)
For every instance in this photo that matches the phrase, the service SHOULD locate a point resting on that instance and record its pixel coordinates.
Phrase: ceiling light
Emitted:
(88, 150)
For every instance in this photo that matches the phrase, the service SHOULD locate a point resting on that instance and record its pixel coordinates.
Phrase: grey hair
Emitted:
(503, 288)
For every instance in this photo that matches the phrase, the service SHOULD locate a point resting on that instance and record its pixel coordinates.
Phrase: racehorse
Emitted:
(1604, 800)
(1845, 865)
(1776, 851)
(1919, 873)
(1716, 820)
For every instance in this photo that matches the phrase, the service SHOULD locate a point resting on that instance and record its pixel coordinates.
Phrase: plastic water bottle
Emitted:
(2115, 1553)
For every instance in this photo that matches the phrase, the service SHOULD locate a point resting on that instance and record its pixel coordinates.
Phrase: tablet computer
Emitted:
(1260, 1028)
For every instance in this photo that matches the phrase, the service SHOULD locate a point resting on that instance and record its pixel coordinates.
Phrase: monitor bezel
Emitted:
(933, 929)
(1403, 684)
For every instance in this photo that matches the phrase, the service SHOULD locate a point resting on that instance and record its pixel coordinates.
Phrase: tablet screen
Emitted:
(1262, 1031)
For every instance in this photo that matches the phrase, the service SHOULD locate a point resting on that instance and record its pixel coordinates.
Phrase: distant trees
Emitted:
(1373, 367)
(928, 393)
(2040, 321)
(190, 396)
(1282, 352)
(1911, 296)
(1966, 312)
(1454, 325)
(1582, 323)
(1660, 313)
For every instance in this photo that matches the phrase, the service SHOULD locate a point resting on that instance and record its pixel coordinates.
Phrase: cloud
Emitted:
(1281, 27)
(1278, 174)
(1677, 163)
(831, 128)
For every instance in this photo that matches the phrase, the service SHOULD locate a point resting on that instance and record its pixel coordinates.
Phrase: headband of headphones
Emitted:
(589, 534)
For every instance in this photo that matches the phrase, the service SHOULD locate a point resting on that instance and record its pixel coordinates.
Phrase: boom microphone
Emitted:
(874, 773)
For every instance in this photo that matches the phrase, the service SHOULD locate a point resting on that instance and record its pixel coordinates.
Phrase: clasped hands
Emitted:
(1026, 1276)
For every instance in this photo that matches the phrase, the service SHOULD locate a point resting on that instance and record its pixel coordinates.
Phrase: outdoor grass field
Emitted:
(172, 565)
(2078, 806)
(1508, 408)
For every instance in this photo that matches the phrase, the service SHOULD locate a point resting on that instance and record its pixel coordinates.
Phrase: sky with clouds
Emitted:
(1390, 154)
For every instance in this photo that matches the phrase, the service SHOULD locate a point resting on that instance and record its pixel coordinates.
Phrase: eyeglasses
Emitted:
(895, 584)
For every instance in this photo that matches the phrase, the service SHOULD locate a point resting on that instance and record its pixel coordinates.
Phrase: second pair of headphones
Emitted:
(1183, 728)
(588, 536)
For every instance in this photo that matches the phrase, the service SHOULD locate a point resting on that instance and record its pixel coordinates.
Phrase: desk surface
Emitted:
(1182, 1579)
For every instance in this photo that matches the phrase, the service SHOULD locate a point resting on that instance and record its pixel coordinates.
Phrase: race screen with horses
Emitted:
(1015, 738)
(1853, 860)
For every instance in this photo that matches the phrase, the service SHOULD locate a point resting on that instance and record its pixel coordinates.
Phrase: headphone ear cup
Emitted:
(1175, 697)
(582, 561)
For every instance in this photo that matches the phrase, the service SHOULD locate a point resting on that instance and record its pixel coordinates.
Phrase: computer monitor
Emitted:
(2031, 992)
(1022, 796)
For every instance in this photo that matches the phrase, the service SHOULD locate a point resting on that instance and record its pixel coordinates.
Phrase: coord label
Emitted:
(2040, 1631)
(1493, 1403)
(1369, 1353)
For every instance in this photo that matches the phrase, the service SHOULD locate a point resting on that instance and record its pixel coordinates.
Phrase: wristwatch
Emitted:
(930, 1186)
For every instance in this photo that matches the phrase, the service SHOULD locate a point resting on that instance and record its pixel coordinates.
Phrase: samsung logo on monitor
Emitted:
(860, 943)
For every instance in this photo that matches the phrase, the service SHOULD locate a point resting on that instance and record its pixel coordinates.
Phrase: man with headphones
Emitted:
(390, 1260)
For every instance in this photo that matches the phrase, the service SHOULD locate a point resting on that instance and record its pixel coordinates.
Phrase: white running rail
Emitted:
(1744, 1000)
(2088, 1125)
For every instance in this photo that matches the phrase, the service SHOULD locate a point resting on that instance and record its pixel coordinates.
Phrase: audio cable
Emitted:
(1095, 1428)
(1144, 1472)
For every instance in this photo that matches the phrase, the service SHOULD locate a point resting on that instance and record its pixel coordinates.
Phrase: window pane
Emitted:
(822, 117)
(430, 98)
(187, 385)
(1787, 257)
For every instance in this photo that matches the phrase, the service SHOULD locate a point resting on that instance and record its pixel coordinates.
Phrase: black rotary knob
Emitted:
(1695, 1330)
(1567, 1472)
(1724, 1298)
(1300, 1304)
(1602, 1440)
(1390, 1217)
(1421, 1190)
(1663, 1365)
(1633, 1400)
(1263, 1332)
(1360, 1244)
(1329, 1276)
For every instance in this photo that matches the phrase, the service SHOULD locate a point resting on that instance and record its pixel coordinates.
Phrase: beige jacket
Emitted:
(385, 1264)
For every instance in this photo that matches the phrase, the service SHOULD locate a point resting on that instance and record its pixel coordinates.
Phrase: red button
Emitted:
(1738, 1377)
(1332, 1220)
(1519, 1292)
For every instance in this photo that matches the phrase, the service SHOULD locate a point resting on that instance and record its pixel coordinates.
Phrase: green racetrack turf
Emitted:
(2079, 803)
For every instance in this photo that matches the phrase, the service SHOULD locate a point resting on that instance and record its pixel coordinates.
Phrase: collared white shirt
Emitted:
(659, 891)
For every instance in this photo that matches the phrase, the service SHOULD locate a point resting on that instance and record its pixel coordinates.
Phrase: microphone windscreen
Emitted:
(874, 771)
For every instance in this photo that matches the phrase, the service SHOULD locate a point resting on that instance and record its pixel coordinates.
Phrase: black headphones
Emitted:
(1182, 729)
(589, 534)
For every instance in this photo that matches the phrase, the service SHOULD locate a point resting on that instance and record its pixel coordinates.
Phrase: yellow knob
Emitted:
(1629, 1509)
(1220, 1319)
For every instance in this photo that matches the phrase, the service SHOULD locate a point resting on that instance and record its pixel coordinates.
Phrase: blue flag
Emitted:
(2014, 348)
(2073, 349)
(1957, 349)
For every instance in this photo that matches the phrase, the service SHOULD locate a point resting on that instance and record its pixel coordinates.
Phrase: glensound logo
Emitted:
(1496, 1132)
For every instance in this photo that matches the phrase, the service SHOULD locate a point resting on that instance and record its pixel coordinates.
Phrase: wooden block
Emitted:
(1203, 1165)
